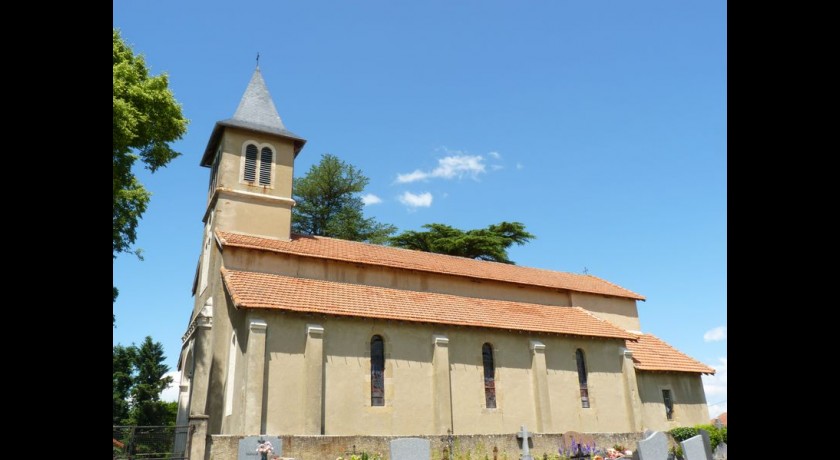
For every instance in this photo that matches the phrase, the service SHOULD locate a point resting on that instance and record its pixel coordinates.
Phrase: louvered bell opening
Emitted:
(250, 163)
(265, 166)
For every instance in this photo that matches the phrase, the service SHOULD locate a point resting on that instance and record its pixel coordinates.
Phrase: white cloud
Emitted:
(449, 167)
(170, 393)
(411, 177)
(495, 155)
(370, 199)
(715, 388)
(717, 334)
(519, 166)
(415, 201)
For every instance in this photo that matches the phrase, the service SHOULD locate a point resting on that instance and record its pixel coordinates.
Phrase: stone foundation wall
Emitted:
(225, 447)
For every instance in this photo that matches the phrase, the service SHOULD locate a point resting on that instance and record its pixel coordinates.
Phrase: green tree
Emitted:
(146, 119)
(123, 371)
(489, 243)
(149, 382)
(328, 204)
(139, 378)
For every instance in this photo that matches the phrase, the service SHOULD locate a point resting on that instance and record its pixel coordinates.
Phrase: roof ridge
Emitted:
(613, 284)
(435, 254)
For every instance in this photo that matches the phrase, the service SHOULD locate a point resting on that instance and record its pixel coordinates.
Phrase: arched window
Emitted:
(377, 371)
(489, 376)
(258, 163)
(265, 166)
(581, 368)
(250, 173)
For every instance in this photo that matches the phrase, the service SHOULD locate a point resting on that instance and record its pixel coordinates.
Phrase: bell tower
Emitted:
(251, 160)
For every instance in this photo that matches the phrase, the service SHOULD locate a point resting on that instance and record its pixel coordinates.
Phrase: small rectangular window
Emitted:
(669, 404)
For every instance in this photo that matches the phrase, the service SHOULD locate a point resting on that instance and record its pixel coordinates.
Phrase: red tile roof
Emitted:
(722, 417)
(652, 354)
(263, 290)
(372, 254)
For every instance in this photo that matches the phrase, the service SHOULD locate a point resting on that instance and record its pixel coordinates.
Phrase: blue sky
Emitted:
(599, 125)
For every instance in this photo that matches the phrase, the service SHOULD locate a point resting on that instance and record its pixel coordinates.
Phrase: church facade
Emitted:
(298, 334)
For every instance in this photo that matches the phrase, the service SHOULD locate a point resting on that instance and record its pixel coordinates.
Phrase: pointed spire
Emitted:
(256, 112)
(256, 105)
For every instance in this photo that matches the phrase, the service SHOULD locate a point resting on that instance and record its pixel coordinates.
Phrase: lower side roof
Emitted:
(278, 292)
(269, 291)
(650, 353)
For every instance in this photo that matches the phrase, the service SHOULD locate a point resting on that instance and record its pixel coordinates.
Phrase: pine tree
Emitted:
(328, 204)
(123, 380)
(489, 243)
(151, 380)
(139, 377)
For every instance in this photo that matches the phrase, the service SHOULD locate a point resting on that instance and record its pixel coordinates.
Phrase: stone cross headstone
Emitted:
(698, 447)
(524, 438)
(654, 447)
(411, 449)
(248, 447)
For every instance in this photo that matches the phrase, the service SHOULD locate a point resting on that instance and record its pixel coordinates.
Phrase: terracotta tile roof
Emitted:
(650, 353)
(721, 417)
(372, 254)
(264, 290)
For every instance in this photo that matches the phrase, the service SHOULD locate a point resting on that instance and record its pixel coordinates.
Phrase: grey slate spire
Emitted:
(256, 112)
(256, 105)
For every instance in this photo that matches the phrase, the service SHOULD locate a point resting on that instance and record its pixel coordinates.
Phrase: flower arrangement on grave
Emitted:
(264, 448)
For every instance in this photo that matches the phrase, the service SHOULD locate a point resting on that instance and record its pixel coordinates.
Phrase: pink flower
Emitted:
(265, 447)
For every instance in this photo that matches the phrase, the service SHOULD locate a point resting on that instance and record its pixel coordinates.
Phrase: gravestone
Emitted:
(720, 452)
(697, 447)
(654, 447)
(525, 443)
(248, 447)
(411, 449)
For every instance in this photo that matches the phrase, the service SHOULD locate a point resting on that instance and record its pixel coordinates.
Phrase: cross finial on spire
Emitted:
(585, 271)
(258, 59)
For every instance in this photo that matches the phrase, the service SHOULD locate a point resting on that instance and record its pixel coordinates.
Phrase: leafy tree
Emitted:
(171, 408)
(489, 243)
(146, 119)
(139, 378)
(328, 204)
(123, 380)
(150, 381)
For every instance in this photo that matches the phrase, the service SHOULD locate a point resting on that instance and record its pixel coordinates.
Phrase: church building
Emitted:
(307, 335)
